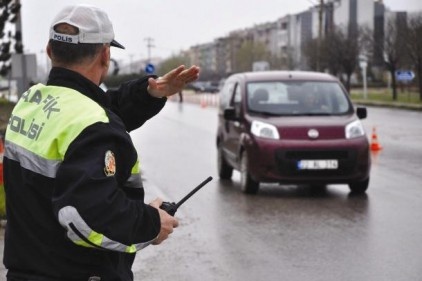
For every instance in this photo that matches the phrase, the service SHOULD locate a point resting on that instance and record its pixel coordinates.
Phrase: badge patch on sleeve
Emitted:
(110, 164)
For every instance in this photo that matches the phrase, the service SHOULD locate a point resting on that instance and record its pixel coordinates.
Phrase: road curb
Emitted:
(415, 107)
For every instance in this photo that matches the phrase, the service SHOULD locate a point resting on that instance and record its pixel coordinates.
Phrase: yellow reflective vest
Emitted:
(74, 199)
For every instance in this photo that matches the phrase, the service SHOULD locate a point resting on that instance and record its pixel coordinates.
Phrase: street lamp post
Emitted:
(363, 63)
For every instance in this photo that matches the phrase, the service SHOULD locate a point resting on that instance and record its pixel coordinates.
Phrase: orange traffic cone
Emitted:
(203, 102)
(1, 160)
(375, 146)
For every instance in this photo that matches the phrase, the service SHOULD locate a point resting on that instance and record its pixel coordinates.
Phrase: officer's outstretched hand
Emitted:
(172, 82)
(167, 222)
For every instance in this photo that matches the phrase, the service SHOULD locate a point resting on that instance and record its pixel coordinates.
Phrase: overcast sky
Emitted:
(174, 25)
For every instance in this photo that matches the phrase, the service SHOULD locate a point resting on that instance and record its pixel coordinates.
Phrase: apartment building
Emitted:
(285, 37)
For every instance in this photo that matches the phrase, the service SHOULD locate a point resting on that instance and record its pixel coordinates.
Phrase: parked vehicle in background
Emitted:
(291, 127)
(204, 87)
(195, 86)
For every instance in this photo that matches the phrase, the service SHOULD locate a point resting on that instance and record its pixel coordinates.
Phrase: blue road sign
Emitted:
(149, 68)
(405, 75)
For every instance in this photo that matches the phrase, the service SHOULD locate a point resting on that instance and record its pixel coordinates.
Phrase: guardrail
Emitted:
(203, 100)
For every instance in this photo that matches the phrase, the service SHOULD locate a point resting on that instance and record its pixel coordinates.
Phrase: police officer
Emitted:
(75, 208)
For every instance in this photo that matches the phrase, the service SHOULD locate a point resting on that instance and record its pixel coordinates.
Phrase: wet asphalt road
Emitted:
(284, 232)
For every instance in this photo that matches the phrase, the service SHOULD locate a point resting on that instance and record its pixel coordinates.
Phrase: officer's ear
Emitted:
(105, 56)
(48, 50)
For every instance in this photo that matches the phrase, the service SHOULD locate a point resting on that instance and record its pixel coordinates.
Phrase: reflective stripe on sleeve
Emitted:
(31, 161)
(81, 234)
(135, 179)
(136, 168)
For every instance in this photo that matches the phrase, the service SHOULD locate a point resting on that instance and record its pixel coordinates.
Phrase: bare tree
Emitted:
(393, 48)
(288, 59)
(390, 45)
(414, 46)
(171, 63)
(248, 53)
(331, 55)
(339, 53)
(310, 52)
(350, 49)
(9, 11)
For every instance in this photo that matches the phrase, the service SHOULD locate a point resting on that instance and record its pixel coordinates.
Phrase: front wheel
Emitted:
(359, 186)
(247, 184)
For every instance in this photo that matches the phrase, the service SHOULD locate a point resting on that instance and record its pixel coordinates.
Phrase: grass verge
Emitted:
(385, 95)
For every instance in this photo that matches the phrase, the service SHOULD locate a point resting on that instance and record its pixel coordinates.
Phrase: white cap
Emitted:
(93, 23)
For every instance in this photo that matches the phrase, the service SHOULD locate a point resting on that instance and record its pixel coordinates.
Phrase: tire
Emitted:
(247, 184)
(225, 171)
(359, 187)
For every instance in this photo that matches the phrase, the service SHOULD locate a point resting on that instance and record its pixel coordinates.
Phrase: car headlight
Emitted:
(264, 130)
(354, 130)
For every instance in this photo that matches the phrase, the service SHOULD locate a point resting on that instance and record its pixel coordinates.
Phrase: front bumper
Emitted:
(277, 160)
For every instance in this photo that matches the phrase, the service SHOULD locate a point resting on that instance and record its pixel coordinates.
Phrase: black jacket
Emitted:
(37, 246)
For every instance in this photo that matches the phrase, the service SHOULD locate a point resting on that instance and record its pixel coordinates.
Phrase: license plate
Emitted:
(331, 164)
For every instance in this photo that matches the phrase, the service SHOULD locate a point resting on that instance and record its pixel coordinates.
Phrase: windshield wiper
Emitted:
(266, 113)
(315, 114)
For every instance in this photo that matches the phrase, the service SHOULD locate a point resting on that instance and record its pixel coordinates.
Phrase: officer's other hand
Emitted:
(173, 81)
(168, 223)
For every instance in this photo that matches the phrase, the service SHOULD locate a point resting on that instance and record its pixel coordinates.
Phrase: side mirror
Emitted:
(361, 112)
(230, 114)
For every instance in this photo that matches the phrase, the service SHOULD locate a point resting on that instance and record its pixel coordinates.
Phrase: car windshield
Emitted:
(297, 98)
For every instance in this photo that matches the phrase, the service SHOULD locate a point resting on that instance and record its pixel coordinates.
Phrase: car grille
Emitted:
(326, 154)
(287, 162)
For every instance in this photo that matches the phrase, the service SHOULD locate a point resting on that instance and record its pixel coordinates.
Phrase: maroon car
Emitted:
(291, 127)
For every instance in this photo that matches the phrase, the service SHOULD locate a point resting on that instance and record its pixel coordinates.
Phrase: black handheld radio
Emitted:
(172, 207)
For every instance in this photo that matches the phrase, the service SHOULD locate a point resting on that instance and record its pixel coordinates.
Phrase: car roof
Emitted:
(284, 75)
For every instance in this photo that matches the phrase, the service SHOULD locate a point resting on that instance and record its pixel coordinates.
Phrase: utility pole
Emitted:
(320, 17)
(149, 46)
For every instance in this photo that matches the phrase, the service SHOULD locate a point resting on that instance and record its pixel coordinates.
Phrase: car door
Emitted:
(234, 128)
